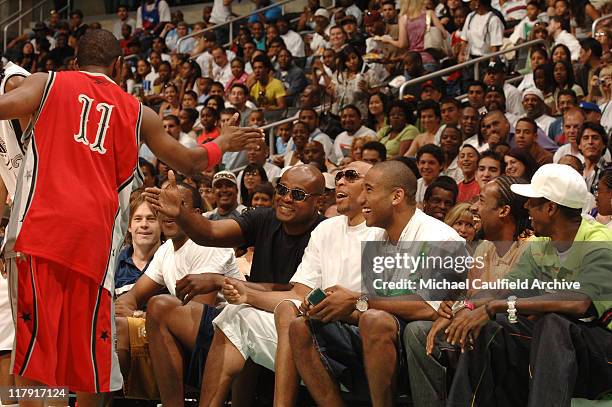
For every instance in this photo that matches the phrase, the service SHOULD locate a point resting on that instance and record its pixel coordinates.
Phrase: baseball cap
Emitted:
(534, 91)
(496, 66)
(558, 183)
(321, 12)
(495, 88)
(349, 19)
(590, 107)
(228, 175)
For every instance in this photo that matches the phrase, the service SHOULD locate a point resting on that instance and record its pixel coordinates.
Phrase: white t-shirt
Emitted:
(342, 144)
(544, 122)
(606, 116)
(420, 192)
(220, 13)
(168, 266)
(118, 24)
(514, 100)
(566, 149)
(482, 32)
(333, 255)
(571, 42)
(163, 10)
(294, 43)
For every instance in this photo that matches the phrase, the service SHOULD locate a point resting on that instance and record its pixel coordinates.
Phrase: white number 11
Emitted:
(105, 110)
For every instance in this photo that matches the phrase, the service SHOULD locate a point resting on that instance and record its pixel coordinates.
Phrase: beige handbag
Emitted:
(434, 38)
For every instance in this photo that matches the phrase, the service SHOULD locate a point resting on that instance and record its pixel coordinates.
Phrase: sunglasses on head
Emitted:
(297, 194)
(349, 175)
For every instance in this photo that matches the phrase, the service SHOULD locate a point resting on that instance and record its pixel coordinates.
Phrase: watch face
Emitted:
(361, 305)
(457, 306)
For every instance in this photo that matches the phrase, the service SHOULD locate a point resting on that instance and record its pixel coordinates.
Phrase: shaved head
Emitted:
(395, 174)
(307, 176)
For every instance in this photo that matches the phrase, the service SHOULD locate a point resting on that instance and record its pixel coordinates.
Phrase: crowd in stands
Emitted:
(254, 232)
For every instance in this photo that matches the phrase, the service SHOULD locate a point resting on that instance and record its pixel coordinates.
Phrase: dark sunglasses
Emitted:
(349, 175)
(297, 195)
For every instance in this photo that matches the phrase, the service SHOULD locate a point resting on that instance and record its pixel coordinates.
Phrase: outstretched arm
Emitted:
(24, 99)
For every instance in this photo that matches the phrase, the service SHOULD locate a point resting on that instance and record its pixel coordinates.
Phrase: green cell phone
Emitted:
(316, 296)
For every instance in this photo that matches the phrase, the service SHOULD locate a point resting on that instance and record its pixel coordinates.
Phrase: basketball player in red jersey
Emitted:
(70, 211)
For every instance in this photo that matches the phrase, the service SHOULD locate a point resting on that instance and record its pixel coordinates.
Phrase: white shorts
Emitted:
(7, 328)
(252, 331)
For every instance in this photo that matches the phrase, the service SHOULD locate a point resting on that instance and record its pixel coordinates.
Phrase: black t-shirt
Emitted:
(277, 254)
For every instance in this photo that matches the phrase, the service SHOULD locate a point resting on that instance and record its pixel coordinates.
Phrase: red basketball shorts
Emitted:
(65, 331)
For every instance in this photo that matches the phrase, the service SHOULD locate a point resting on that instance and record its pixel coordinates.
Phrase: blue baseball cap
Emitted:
(590, 107)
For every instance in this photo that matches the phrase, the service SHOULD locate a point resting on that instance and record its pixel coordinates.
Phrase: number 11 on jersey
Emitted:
(106, 110)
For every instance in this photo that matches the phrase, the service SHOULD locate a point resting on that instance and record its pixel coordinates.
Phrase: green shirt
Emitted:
(589, 264)
(393, 146)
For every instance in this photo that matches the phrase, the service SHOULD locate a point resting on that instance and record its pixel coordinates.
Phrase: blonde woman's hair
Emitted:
(606, 70)
(456, 212)
(412, 8)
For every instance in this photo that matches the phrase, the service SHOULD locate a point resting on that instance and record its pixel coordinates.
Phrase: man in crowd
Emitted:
(525, 137)
(533, 103)
(225, 187)
(440, 197)
(593, 142)
(350, 118)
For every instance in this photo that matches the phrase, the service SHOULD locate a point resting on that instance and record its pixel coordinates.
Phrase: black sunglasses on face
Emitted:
(297, 195)
(349, 175)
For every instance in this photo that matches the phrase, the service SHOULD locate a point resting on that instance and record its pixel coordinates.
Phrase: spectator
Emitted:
(377, 111)
(429, 117)
(490, 166)
(152, 16)
(430, 161)
(250, 177)
(450, 111)
(399, 133)
(590, 63)
(519, 164)
(267, 92)
(561, 36)
(258, 154)
(468, 162)
(604, 198)
(496, 76)
(461, 218)
(373, 152)
(291, 76)
(292, 40)
(440, 197)
(263, 196)
(564, 79)
(225, 187)
(533, 102)
(482, 20)
(239, 76)
(299, 138)
(496, 100)
(311, 118)
(237, 99)
(526, 138)
(450, 142)
(476, 95)
(209, 118)
(470, 129)
(350, 118)
(592, 142)
(172, 103)
(566, 100)
(77, 26)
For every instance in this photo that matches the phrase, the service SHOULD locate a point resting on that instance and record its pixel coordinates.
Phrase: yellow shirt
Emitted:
(267, 96)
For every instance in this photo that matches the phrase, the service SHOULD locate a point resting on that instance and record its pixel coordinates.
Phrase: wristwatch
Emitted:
(138, 314)
(361, 304)
(459, 305)
(512, 318)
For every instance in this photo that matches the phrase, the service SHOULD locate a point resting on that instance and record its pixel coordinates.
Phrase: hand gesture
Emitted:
(196, 284)
(234, 291)
(232, 138)
(439, 325)
(446, 309)
(166, 201)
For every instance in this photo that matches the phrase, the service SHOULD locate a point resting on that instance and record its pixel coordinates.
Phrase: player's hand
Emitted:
(196, 284)
(234, 291)
(122, 309)
(166, 201)
(234, 138)
(446, 309)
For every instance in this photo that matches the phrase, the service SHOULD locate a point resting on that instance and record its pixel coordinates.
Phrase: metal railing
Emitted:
(597, 21)
(475, 62)
(13, 15)
(233, 20)
(40, 5)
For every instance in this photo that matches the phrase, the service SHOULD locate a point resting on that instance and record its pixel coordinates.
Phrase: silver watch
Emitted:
(361, 304)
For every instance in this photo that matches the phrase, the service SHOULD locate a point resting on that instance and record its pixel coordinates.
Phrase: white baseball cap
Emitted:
(323, 13)
(558, 183)
(534, 91)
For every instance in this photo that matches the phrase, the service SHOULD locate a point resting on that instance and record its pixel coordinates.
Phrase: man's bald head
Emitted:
(394, 174)
(304, 176)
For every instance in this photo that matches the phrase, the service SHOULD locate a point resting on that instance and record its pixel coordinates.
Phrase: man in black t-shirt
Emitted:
(279, 235)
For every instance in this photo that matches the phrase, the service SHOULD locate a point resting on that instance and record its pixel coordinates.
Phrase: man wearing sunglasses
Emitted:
(279, 235)
(331, 260)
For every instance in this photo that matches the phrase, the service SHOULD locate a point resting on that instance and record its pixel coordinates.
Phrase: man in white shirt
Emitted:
(168, 321)
(221, 11)
(496, 75)
(533, 103)
(350, 119)
(563, 37)
(124, 18)
(322, 27)
(222, 69)
(483, 31)
(369, 324)
(293, 41)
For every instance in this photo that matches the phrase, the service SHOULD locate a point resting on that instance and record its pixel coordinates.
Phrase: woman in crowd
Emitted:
(357, 149)
(172, 104)
(561, 52)
(209, 119)
(350, 83)
(400, 131)
(468, 163)
(429, 116)
(413, 23)
(461, 218)
(377, 111)
(544, 80)
(520, 164)
(563, 76)
(252, 176)
(215, 102)
(537, 56)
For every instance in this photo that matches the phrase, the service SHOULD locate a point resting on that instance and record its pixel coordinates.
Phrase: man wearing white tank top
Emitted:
(11, 154)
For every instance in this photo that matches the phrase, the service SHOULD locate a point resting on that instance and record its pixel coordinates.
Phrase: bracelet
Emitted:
(214, 153)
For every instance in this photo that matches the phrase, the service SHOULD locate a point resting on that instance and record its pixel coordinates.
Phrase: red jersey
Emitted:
(72, 197)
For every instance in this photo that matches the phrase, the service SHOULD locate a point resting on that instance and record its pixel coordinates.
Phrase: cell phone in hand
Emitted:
(316, 296)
